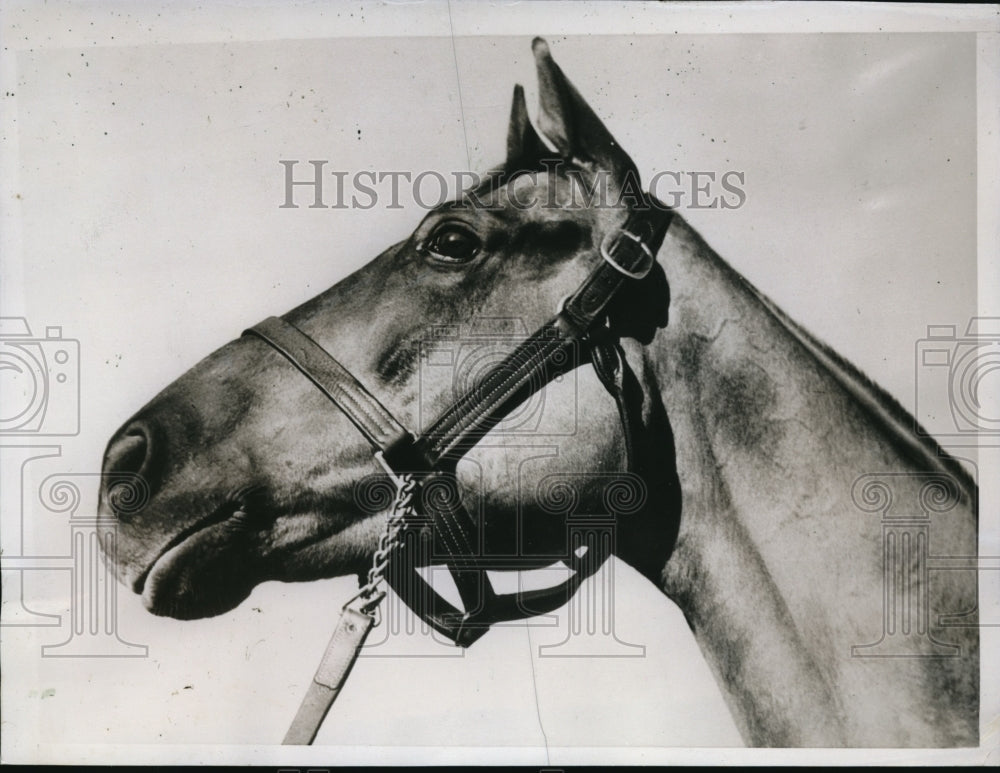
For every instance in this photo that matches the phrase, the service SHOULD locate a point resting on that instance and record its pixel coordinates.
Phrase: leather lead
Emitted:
(345, 644)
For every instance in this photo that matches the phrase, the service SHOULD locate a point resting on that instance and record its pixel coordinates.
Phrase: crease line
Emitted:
(458, 80)
(534, 688)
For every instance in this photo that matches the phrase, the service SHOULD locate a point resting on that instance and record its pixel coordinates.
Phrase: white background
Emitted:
(141, 187)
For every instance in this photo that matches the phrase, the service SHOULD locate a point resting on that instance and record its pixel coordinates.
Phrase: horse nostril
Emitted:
(129, 470)
(128, 452)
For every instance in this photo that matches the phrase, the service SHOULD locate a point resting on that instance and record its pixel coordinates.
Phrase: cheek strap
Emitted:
(429, 524)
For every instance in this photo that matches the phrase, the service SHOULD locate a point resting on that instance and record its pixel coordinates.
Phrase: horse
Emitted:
(780, 468)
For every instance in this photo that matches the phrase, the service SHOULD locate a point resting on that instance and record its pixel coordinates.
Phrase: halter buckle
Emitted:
(644, 267)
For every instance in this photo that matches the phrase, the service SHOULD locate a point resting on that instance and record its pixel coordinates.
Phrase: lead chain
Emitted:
(401, 507)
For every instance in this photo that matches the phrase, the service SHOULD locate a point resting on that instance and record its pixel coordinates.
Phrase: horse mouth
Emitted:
(201, 571)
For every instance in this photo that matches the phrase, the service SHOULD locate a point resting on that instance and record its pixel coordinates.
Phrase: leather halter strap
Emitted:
(628, 255)
(372, 419)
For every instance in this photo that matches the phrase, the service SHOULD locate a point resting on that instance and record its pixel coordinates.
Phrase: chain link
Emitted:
(401, 507)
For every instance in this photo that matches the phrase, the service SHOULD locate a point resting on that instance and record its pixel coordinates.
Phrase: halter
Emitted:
(429, 519)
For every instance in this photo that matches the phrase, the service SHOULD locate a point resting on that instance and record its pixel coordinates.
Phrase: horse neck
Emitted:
(776, 567)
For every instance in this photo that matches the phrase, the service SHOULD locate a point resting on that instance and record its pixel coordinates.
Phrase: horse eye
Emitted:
(453, 243)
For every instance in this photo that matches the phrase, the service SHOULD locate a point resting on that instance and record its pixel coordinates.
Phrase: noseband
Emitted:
(429, 520)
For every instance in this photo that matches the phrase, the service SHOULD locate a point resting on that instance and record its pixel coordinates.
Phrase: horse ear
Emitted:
(524, 146)
(567, 120)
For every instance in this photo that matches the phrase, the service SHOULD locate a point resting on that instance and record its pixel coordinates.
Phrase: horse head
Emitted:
(781, 567)
(252, 475)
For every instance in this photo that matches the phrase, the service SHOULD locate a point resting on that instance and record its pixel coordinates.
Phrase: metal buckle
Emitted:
(370, 604)
(647, 266)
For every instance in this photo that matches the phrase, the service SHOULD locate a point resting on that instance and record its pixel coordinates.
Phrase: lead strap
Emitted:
(345, 644)
(356, 620)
